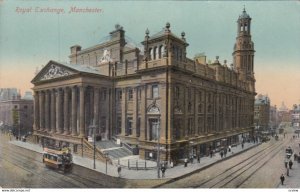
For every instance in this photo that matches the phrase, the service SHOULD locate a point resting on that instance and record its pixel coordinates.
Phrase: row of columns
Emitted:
(54, 112)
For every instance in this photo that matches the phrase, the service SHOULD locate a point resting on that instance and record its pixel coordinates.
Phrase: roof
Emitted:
(80, 68)
(244, 15)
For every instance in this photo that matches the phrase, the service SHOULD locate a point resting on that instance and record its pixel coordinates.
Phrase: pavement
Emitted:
(292, 181)
(175, 172)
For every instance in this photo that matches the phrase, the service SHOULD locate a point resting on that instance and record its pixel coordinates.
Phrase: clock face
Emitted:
(106, 57)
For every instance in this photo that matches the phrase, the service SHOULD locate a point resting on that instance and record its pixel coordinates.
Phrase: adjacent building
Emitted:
(147, 96)
(295, 113)
(262, 112)
(16, 112)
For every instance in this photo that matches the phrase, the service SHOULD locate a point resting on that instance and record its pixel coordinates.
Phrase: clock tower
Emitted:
(243, 54)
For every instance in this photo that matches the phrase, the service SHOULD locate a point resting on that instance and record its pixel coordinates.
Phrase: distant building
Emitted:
(8, 94)
(262, 112)
(273, 120)
(284, 114)
(295, 115)
(16, 113)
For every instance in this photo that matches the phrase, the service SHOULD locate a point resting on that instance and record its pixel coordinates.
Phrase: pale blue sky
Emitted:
(32, 39)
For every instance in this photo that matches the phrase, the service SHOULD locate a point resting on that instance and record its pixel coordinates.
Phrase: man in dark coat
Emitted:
(282, 179)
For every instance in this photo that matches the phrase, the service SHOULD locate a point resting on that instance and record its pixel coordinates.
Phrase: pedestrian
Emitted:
(163, 169)
(225, 152)
(211, 153)
(242, 145)
(171, 164)
(185, 162)
(282, 179)
(286, 163)
(290, 164)
(191, 159)
(198, 158)
(295, 156)
(221, 153)
(119, 170)
(229, 148)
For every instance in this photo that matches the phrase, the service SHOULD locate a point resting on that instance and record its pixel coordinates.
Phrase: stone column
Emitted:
(96, 109)
(124, 100)
(196, 100)
(74, 111)
(59, 111)
(53, 111)
(42, 110)
(143, 108)
(47, 115)
(36, 111)
(81, 111)
(66, 111)
(134, 109)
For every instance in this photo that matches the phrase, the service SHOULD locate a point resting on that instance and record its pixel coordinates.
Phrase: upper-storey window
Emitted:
(130, 94)
(155, 91)
(119, 94)
(160, 51)
(154, 53)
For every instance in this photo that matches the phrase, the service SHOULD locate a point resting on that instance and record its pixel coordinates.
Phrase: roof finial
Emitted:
(244, 9)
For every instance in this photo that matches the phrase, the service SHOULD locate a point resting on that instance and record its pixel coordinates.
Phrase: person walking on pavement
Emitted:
(242, 145)
(119, 170)
(286, 163)
(221, 153)
(225, 152)
(163, 170)
(282, 179)
(290, 164)
(185, 162)
(198, 158)
(211, 153)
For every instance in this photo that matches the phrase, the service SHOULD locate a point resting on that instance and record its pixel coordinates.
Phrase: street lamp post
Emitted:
(93, 128)
(106, 156)
(158, 148)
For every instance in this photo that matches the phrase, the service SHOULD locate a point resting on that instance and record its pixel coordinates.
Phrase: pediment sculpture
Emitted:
(55, 71)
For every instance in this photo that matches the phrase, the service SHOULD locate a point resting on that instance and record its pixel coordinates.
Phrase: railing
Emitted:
(137, 164)
(128, 147)
(91, 147)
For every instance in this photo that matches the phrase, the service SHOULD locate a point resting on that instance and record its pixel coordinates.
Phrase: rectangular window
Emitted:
(103, 95)
(139, 93)
(130, 94)
(154, 127)
(138, 127)
(103, 124)
(119, 94)
(119, 125)
(129, 126)
(155, 92)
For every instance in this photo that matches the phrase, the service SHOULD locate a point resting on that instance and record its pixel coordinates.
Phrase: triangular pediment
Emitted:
(53, 70)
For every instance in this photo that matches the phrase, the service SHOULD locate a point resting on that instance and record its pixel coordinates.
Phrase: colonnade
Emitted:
(67, 110)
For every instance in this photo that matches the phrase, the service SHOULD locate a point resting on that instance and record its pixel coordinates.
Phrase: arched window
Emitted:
(242, 27)
(150, 54)
(154, 52)
(246, 27)
(160, 51)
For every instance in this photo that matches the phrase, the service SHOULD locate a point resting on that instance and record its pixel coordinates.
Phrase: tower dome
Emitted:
(244, 15)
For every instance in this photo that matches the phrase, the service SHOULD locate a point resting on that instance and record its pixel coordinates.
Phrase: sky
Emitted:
(30, 38)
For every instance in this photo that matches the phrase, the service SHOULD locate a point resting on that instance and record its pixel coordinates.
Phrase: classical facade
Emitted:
(295, 113)
(148, 96)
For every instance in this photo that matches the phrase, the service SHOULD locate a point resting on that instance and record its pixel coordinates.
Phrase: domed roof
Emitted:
(244, 15)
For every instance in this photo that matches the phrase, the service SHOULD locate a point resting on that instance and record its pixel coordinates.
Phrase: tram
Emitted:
(58, 158)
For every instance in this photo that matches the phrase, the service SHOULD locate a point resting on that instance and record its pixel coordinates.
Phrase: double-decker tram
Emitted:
(58, 158)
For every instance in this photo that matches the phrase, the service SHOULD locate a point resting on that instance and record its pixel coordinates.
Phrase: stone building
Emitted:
(295, 113)
(147, 96)
(23, 109)
(262, 112)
